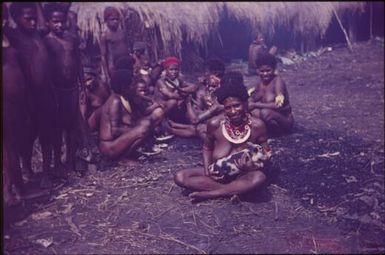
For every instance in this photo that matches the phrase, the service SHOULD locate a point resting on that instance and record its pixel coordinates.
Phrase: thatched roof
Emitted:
(303, 17)
(199, 19)
(196, 19)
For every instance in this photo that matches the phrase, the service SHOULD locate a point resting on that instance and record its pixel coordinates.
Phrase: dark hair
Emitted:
(53, 7)
(109, 10)
(233, 77)
(137, 79)
(215, 65)
(16, 9)
(124, 62)
(232, 86)
(120, 80)
(266, 59)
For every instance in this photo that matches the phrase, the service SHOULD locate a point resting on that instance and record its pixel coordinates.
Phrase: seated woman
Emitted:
(122, 130)
(205, 105)
(227, 136)
(171, 91)
(269, 99)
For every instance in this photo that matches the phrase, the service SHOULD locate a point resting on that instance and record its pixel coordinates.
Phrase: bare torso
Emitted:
(223, 147)
(13, 77)
(34, 59)
(116, 45)
(267, 94)
(64, 60)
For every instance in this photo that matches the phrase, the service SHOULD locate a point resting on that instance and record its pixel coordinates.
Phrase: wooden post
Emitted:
(343, 30)
(371, 20)
(302, 46)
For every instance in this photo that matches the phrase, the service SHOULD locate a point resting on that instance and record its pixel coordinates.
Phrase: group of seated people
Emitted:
(218, 109)
(133, 109)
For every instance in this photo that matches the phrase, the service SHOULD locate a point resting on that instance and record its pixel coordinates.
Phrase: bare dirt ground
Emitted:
(325, 195)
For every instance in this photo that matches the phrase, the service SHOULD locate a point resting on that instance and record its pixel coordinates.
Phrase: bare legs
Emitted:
(127, 141)
(183, 130)
(208, 188)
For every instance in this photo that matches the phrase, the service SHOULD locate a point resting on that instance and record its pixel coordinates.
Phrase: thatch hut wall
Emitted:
(195, 21)
(172, 24)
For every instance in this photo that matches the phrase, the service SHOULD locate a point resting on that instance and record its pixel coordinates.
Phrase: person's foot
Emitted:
(160, 146)
(149, 151)
(198, 196)
(164, 137)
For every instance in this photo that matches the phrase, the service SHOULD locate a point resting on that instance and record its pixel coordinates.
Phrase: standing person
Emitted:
(226, 136)
(270, 98)
(113, 41)
(15, 118)
(35, 62)
(256, 48)
(67, 73)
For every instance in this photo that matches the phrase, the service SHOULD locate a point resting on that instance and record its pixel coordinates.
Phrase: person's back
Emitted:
(108, 131)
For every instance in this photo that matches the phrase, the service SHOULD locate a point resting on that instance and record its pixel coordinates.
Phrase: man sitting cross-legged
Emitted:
(226, 136)
(121, 131)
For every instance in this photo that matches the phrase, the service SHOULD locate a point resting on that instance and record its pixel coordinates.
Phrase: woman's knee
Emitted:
(180, 177)
(157, 115)
(266, 114)
(256, 113)
(107, 150)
